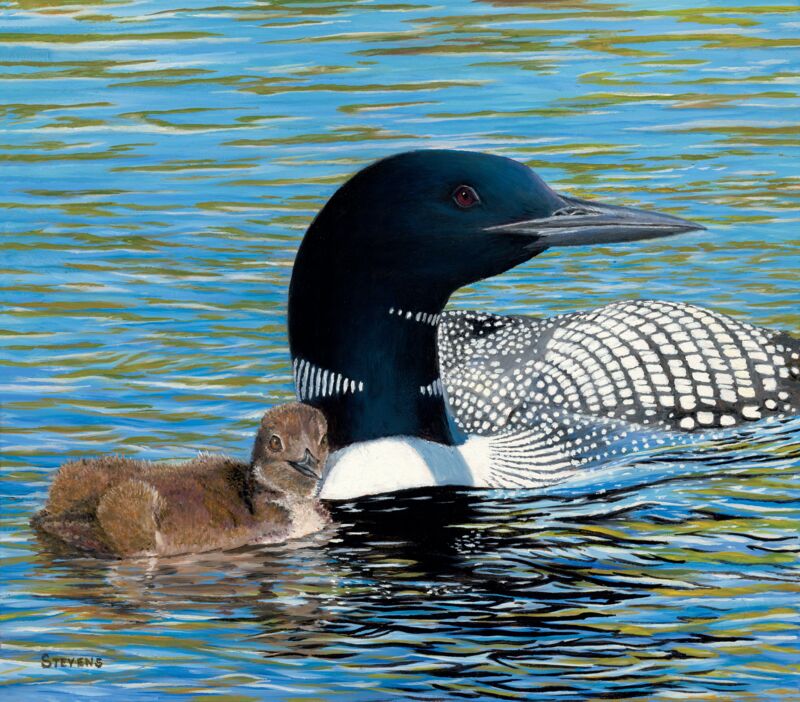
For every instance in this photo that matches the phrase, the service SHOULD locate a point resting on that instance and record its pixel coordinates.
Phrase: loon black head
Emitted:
(379, 262)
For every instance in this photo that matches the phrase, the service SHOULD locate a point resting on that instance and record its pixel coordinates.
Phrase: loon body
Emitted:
(415, 396)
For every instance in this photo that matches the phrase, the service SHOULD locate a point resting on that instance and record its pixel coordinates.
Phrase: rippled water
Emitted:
(160, 162)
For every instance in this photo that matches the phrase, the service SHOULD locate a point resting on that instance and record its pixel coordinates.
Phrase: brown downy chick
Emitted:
(122, 507)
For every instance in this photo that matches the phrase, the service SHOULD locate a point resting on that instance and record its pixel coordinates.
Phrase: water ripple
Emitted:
(160, 166)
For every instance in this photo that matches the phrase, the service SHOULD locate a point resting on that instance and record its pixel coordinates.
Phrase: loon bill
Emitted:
(416, 397)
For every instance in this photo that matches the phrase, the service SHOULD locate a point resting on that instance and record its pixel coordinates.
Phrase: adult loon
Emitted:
(415, 396)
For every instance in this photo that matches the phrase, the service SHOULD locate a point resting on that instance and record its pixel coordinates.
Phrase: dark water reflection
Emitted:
(160, 164)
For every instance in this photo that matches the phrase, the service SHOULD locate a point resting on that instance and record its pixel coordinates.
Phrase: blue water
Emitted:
(160, 162)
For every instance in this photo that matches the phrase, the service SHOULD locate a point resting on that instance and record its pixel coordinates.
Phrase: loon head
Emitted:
(382, 257)
(444, 219)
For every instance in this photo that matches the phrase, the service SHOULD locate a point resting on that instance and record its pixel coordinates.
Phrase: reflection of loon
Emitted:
(520, 401)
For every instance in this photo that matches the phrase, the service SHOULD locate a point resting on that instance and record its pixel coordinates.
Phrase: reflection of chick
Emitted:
(123, 507)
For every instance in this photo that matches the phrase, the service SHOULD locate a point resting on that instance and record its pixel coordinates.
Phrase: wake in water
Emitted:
(662, 457)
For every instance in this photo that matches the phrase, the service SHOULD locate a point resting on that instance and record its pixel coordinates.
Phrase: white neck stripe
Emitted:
(433, 389)
(311, 381)
(413, 316)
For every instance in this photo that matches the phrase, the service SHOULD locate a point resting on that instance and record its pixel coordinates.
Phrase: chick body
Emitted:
(124, 507)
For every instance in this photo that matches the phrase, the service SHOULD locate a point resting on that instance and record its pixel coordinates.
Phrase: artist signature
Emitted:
(52, 661)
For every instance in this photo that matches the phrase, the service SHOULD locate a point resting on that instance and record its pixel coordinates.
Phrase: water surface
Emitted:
(160, 163)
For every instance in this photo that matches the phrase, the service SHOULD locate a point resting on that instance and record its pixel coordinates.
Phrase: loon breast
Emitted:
(554, 448)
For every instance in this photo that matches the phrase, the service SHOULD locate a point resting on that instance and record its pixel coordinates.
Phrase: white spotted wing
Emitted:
(656, 365)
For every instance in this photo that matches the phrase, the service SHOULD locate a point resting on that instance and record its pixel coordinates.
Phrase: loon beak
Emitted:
(307, 465)
(583, 222)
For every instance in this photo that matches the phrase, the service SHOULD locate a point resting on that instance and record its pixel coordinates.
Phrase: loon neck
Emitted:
(364, 352)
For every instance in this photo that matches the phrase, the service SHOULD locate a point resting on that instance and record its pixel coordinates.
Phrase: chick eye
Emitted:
(275, 443)
(465, 197)
(323, 442)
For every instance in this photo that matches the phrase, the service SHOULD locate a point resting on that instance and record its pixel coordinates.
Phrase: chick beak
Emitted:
(307, 465)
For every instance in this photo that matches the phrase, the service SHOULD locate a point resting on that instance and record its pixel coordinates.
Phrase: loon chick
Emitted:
(123, 507)
(416, 397)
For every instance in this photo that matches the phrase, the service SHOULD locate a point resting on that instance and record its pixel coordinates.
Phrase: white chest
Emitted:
(400, 463)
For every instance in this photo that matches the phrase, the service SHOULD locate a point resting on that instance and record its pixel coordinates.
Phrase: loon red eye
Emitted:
(465, 197)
